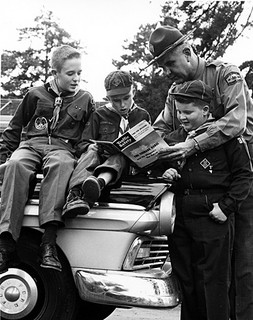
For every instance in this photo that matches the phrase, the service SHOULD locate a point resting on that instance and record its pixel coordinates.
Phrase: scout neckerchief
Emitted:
(199, 130)
(124, 124)
(58, 101)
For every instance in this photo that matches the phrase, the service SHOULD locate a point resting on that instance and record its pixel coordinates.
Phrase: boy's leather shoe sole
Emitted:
(92, 188)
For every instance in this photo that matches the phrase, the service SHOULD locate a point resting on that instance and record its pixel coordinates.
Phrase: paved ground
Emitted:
(145, 314)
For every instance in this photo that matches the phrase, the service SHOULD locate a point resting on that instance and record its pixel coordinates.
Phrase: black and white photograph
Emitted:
(126, 148)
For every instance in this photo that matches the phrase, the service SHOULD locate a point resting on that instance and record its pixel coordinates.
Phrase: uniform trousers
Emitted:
(200, 251)
(56, 163)
(242, 262)
(91, 163)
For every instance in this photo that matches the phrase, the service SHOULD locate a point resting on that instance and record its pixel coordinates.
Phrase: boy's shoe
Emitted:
(8, 255)
(74, 206)
(92, 188)
(49, 257)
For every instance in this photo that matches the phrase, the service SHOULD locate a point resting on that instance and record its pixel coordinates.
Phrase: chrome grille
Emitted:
(147, 253)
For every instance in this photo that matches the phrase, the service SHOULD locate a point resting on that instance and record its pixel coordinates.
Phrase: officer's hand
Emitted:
(178, 151)
(217, 215)
(171, 174)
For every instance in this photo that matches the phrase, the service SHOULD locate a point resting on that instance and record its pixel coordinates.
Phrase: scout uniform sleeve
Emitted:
(241, 175)
(233, 123)
(91, 131)
(12, 134)
(91, 108)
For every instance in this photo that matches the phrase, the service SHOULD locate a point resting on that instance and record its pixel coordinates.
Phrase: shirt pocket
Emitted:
(75, 112)
(107, 131)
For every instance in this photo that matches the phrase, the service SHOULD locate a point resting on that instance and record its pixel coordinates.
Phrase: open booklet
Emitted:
(140, 144)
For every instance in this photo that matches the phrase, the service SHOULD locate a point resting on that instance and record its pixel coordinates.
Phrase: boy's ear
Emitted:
(53, 71)
(206, 109)
(187, 51)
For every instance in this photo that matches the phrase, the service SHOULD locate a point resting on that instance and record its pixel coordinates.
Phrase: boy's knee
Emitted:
(12, 163)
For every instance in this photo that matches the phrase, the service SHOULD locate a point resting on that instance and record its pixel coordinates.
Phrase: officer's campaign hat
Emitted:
(195, 89)
(163, 40)
(118, 82)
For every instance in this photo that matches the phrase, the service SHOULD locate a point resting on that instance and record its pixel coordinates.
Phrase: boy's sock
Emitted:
(50, 233)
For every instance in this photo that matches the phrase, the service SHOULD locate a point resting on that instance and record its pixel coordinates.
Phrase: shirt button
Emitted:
(190, 169)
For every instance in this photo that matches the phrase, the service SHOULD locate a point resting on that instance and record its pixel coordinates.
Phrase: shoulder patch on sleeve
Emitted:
(232, 77)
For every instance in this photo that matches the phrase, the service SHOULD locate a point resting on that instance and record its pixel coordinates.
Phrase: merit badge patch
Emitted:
(40, 123)
(232, 78)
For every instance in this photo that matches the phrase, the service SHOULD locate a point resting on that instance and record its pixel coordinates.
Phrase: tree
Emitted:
(216, 25)
(22, 69)
(248, 67)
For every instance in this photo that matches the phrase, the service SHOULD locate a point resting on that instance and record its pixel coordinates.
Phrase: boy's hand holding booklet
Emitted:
(140, 144)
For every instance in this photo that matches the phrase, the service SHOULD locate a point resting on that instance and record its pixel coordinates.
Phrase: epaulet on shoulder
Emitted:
(216, 63)
(85, 92)
(102, 106)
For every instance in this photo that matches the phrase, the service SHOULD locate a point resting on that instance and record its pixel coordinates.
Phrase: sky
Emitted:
(102, 26)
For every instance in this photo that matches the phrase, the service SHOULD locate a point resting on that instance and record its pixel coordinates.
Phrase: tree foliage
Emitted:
(22, 69)
(216, 24)
(248, 67)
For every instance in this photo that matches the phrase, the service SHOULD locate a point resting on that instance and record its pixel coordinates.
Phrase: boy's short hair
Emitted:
(61, 54)
(193, 90)
(118, 82)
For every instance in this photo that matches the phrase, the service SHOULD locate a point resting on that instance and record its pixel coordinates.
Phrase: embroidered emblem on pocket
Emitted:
(40, 123)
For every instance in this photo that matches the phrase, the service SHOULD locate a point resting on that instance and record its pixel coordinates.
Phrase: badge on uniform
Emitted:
(232, 78)
(40, 123)
(240, 140)
(206, 164)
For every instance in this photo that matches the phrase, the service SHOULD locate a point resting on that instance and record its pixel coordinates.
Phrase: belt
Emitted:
(187, 192)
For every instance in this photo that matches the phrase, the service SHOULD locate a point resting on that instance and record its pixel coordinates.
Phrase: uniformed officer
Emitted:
(232, 110)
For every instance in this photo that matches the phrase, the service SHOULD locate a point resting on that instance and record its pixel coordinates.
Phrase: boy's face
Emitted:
(191, 116)
(69, 77)
(122, 102)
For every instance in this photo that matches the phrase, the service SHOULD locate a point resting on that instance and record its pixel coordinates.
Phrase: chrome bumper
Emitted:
(153, 288)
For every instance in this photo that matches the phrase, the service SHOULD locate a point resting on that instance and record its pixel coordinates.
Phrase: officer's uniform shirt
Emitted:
(232, 110)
